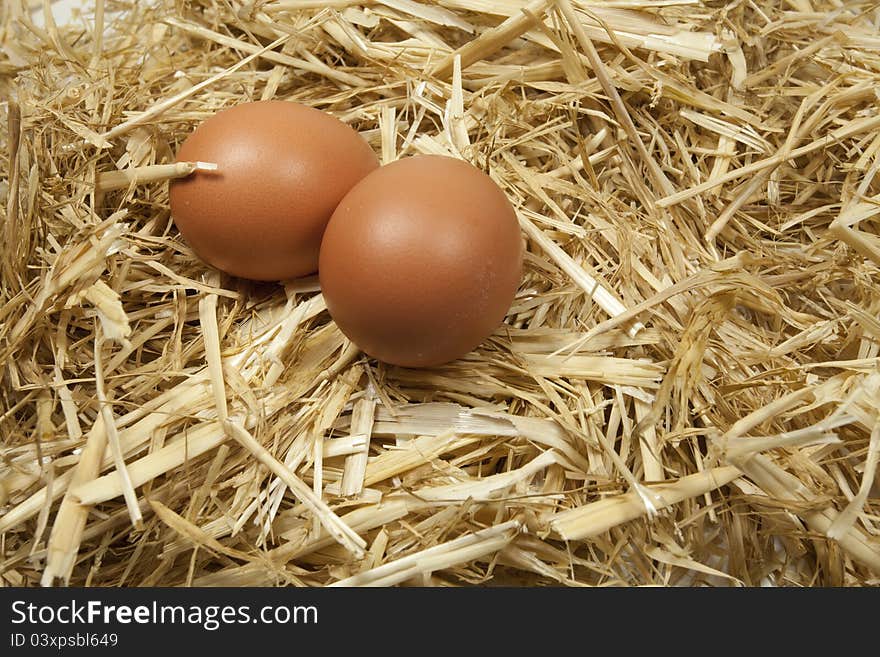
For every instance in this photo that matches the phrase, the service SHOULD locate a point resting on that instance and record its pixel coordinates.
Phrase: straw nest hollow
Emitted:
(686, 388)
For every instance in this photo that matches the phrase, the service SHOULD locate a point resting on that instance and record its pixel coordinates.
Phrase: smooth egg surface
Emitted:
(282, 168)
(421, 261)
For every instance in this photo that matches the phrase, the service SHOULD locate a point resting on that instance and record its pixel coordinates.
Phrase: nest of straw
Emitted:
(686, 388)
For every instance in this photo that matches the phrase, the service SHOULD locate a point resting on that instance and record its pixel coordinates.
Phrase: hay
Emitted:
(686, 390)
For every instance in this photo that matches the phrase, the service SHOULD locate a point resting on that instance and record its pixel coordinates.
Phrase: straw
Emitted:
(684, 388)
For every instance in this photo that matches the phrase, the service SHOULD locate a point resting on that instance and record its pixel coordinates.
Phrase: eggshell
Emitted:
(282, 169)
(421, 260)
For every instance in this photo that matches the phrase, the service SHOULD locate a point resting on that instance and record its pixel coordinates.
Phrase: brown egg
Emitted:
(421, 260)
(282, 168)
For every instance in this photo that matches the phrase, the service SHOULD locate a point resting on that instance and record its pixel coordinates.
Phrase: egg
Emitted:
(421, 261)
(282, 168)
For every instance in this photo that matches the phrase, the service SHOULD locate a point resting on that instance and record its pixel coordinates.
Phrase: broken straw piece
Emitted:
(110, 180)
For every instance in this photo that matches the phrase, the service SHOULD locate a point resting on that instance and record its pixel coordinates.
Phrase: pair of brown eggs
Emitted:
(418, 260)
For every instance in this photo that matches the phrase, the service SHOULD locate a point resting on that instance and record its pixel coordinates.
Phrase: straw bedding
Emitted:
(685, 391)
